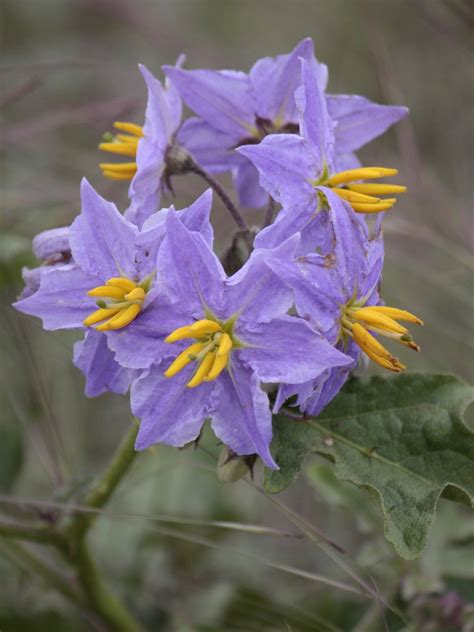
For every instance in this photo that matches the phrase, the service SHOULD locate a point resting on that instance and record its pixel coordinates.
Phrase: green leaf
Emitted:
(402, 438)
(11, 455)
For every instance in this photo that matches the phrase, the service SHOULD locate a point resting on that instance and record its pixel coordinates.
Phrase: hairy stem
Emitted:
(100, 599)
(104, 486)
(42, 535)
(238, 219)
(71, 542)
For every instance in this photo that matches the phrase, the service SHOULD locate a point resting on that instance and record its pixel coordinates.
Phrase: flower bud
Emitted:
(231, 467)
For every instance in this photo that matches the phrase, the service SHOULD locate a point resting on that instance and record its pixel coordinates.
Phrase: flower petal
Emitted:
(102, 240)
(274, 81)
(287, 349)
(142, 343)
(61, 300)
(210, 148)
(189, 269)
(97, 362)
(285, 166)
(169, 412)
(222, 98)
(247, 185)
(316, 126)
(241, 415)
(255, 292)
(359, 120)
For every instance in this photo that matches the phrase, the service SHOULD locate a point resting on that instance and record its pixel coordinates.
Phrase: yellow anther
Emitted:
(122, 319)
(123, 149)
(126, 138)
(352, 196)
(107, 291)
(376, 352)
(131, 128)
(364, 173)
(373, 317)
(202, 327)
(100, 315)
(119, 167)
(372, 208)
(219, 365)
(359, 207)
(202, 370)
(179, 334)
(123, 283)
(377, 189)
(225, 345)
(117, 176)
(183, 359)
(138, 294)
(397, 314)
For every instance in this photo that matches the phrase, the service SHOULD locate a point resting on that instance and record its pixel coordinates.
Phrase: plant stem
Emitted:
(239, 220)
(42, 535)
(104, 486)
(100, 599)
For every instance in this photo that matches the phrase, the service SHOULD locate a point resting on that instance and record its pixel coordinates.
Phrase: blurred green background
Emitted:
(68, 70)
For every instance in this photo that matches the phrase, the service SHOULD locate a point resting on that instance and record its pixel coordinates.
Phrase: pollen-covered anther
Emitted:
(120, 302)
(211, 352)
(362, 322)
(123, 145)
(365, 197)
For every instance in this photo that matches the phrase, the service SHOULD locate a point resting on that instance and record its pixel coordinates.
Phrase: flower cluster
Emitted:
(161, 317)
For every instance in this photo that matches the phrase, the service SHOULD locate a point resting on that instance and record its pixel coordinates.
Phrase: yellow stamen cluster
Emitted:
(357, 321)
(211, 351)
(123, 145)
(120, 302)
(363, 196)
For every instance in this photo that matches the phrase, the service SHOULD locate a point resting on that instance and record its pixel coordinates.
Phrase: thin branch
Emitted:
(42, 535)
(236, 215)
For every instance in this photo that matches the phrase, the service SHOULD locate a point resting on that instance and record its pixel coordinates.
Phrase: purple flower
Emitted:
(300, 172)
(153, 147)
(224, 337)
(339, 295)
(239, 109)
(109, 284)
(51, 247)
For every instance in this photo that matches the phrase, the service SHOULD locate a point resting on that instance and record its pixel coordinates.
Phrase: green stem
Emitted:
(42, 535)
(101, 601)
(104, 486)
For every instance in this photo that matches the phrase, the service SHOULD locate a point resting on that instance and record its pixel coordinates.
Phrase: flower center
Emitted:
(123, 145)
(120, 301)
(265, 127)
(210, 352)
(356, 321)
(363, 196)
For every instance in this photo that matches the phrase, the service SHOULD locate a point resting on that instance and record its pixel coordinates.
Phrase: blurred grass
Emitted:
(68, 70)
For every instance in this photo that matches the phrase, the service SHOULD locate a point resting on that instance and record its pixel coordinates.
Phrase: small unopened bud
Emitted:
(231, 467)
(107, 137)
(178, 160)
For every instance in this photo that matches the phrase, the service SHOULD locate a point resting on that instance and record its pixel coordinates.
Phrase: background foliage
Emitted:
(68, 70)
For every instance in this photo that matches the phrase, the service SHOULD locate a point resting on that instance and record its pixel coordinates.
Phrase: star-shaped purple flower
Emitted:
(155, 150)
(225, 336)
(301, 171)
(339, 295)
(109, 283)
(237, 109)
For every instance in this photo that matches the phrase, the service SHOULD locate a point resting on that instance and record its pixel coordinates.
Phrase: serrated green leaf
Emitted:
(402, 438)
